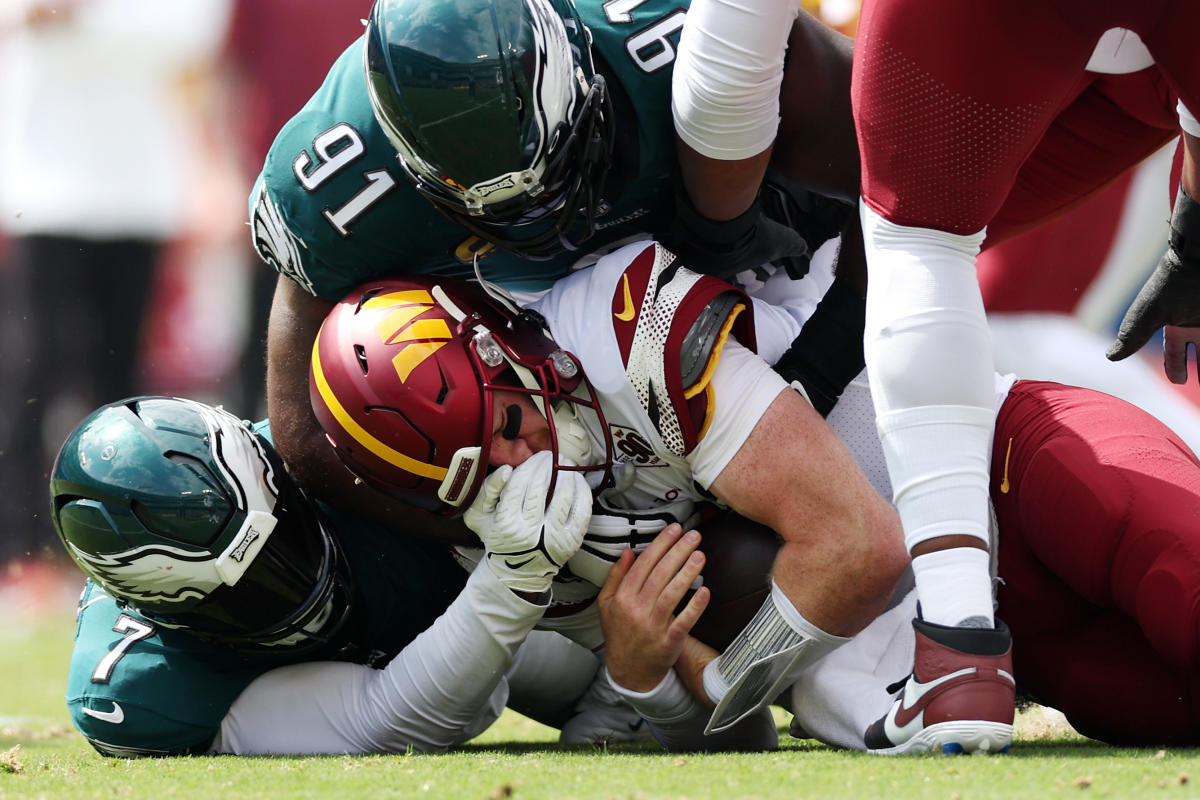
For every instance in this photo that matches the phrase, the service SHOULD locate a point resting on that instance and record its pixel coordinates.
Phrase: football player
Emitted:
(1092, 497)
(430, 388)
(973, 120)
(227, 612)
(430, 148)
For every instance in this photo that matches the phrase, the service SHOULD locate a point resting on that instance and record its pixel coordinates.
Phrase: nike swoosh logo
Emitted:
(517, 565)
(116, 716)
(914, 699)
(629, 311)
(1004, 484)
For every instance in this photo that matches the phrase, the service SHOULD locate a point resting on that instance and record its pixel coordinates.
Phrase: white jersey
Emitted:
(626, 320)
(840, 695)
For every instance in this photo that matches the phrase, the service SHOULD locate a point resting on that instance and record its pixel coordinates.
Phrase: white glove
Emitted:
(527, 541)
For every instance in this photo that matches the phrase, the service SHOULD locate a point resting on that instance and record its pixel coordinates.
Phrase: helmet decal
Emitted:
(425, 336)
(357, 432)
(152, 573)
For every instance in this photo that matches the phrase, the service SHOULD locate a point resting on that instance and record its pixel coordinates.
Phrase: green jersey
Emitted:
(137, 688)
(332, 208)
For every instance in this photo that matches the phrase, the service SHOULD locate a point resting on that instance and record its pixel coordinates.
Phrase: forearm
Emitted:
(442, 689)
(725, 100)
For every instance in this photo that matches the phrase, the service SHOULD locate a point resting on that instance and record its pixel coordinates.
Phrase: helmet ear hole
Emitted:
(360, 354)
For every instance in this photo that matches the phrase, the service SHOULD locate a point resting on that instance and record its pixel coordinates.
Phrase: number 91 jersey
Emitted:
(332, 208)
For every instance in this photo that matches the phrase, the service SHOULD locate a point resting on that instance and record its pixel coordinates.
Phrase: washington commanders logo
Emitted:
(417, 339)
(631, 446)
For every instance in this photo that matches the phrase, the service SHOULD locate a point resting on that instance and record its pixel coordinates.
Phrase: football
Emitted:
(739, 554)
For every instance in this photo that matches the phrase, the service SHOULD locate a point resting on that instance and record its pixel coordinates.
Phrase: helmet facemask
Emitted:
(560, 393)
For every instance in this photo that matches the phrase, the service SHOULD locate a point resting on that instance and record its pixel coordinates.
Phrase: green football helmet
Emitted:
(183, 512)
(498, 114)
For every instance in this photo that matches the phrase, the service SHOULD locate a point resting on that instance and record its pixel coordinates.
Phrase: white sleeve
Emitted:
(444, 688)
(1187, 120)
(727, 74)
(678, 720)
(744, 386)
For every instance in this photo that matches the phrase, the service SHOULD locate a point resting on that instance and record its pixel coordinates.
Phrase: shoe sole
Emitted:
(955, 738)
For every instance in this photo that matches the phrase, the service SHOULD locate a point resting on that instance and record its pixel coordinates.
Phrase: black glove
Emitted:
(828, 352)
(815, 217)
(1171, 295)
(723, 249)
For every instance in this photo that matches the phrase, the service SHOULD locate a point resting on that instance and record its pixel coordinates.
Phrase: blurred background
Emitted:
(130, 134)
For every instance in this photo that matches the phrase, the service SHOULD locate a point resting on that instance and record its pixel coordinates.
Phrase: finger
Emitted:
(493, 485)
(1136, 329)
(615, 575)
(668, 567)
(581, 501)
(1175, 354)
(649, 558)
(687, 618)
(679, 585)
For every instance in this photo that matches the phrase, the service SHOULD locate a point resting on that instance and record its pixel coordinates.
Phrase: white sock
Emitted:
(953, 585)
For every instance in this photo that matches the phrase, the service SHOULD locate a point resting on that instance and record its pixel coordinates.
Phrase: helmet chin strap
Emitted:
(495, 291)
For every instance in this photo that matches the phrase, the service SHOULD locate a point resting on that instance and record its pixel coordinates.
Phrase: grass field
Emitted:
(42, 757)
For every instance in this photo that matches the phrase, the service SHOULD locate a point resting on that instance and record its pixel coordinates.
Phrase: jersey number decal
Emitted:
(132, 630)
(335, 149)
(653, 47)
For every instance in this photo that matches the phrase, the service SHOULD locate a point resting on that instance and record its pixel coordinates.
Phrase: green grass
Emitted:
(41, 757)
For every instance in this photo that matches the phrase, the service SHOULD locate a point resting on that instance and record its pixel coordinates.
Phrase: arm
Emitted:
(843, 548)
(726, 98)
(442, 689)
(447, 685)
(296, 316)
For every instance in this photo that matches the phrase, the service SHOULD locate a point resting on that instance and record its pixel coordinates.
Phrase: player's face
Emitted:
(518, 429)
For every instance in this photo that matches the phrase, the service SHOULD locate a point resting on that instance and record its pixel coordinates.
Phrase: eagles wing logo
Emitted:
(153, 573)
(275, 243)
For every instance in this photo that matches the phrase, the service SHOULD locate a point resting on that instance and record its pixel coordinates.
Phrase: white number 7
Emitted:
(134, 630)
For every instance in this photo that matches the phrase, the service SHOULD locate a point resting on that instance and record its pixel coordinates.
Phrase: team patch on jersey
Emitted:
(275, 243)
(630, 446)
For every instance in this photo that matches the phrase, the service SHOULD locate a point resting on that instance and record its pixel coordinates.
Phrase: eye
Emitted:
(512, 422)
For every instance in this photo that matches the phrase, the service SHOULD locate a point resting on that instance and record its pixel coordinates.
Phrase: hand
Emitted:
(726, 247)
(642, 634)
(527, 539)
(1170, 296)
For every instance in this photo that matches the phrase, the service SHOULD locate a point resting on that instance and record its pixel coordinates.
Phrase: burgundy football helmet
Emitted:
(402, 379)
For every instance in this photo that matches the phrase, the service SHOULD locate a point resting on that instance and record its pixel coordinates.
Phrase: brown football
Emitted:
(738, 558)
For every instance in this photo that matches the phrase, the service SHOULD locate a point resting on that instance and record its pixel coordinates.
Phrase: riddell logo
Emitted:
(631, 446)
(417, 339)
